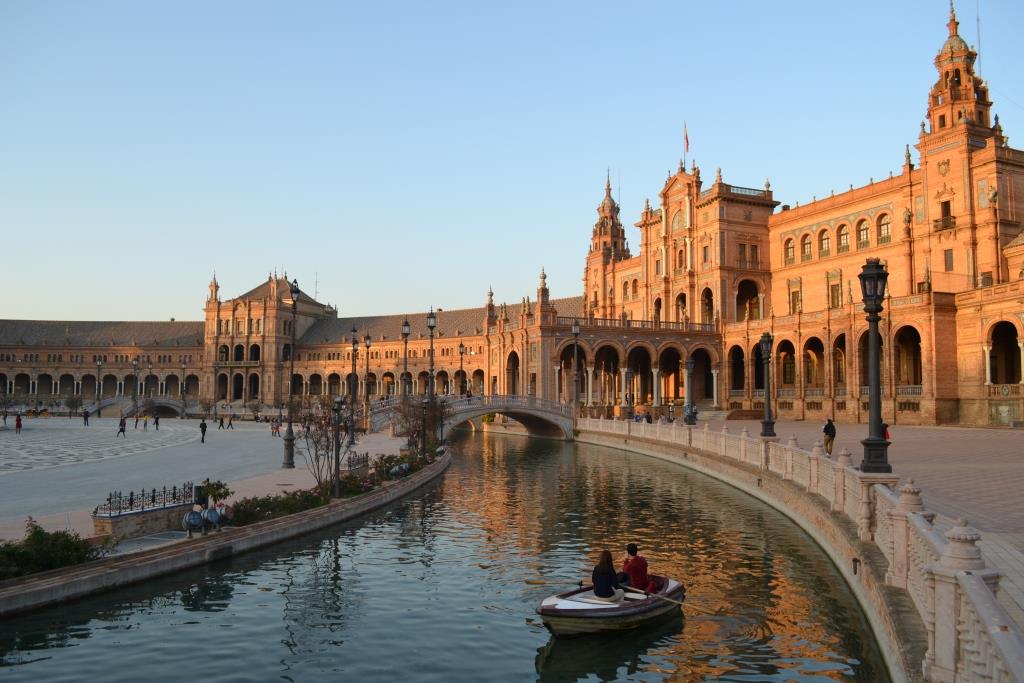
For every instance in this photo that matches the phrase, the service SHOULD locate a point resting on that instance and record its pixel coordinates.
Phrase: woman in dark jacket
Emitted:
(606, 585)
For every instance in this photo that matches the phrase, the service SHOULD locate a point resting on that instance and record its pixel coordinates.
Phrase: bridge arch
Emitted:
(540, 417)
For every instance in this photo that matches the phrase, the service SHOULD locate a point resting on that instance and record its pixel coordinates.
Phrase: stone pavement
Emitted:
(58, 470)
(977, 474)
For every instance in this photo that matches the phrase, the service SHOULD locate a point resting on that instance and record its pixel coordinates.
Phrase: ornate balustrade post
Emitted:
(910, 501)
(866, 504)
(744, 435)
(791, 446)
(813, 462)
(839, 471)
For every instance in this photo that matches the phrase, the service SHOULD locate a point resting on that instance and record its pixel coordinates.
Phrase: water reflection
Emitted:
(443, 587)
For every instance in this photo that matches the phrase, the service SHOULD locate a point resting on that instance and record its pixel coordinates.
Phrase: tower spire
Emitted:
(608, 183)
(953, 24)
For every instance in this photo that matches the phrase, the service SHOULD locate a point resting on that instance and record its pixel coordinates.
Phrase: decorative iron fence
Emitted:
(119, 503)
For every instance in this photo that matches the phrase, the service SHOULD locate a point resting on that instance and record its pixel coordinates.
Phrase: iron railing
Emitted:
(119, 503)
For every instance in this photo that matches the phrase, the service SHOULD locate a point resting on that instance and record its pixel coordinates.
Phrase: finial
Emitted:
(767, 185)
(682, 166)
(608, 183)
(718, 175)
(953, 23)
(693, 166)
(906, 155)
(543, 278)
(647, 205)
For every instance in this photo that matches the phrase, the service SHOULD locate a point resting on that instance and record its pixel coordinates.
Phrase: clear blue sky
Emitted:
(411, 154)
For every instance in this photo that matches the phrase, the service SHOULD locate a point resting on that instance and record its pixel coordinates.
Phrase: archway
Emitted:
(316, 385)
(239, 352)
(388, 384)
(297, 385)
(222, 353)
(512, 374)
(670, 376)
(254, 386)
(707, 306)
(737, 369)
(442, 383)
(839, 363)
(607, 361)
(1004, 358)
(89, 386)
(66, 385)
(703, 381)
(192, 387)
(151, 386)
(222, 387)
(814, 363)
(862, 358)
(907, 347)
(785, 364)
(680, 307)
(22, 383)
(478, 382)
(44, 384)
(758, 368)
(237, 387)
(657, 311)
(254, 352)
(567, 361)
(333, 384)
(108, 388)
(748, 305)
(422, 383)
(172, 386)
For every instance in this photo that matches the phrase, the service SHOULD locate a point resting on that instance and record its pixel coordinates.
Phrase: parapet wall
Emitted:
(929, 597)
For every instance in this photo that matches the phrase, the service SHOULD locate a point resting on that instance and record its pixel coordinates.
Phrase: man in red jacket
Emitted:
(635, 569)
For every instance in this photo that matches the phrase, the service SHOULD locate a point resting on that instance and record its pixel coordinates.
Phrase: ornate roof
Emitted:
(98, 334)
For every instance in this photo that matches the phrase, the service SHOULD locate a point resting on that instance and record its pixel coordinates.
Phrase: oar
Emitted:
(677, 602)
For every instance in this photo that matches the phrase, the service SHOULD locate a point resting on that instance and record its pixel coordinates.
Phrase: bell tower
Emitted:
(959, 96)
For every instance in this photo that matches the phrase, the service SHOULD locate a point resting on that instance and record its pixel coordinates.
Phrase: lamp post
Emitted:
(873, 277)
(462, 372)
(99, 386)
(423, 437)
(289, 433)
(336, 409)
(431, 324)
(629, 392)
(688, 416)
(148, 393)
(405, 357)
(135, 386)
(181, 387)
(352, 386)
(575, 364)
(366, 381)
(768, 423)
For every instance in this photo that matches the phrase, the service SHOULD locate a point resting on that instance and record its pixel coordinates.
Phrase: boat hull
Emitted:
(577, 612)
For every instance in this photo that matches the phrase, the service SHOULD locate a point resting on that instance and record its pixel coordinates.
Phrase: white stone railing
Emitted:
(970, 636)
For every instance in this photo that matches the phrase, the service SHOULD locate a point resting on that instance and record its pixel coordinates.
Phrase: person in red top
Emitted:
(634, 569)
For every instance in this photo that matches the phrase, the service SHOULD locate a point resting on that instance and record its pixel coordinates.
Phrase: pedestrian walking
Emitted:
(85, 418)
(17, 424)
(885, 431)
(136, 420)
(231, 420)
(829, 430)
(202, 431)
(220, 425)
(145, 423)
(156, 422)
(121, 426)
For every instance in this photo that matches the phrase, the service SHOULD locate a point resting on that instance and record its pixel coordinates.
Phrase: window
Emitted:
(743, 255)
(884, 234)
(706, 254)
(942, 120)
(835, 295)
(657, 267)
(805, 248)
(843, 239)
(636, 289)
(680, 261)
(753, 256)
(790, 252)
(625, 291)
(794, 302)
(948, 256)
(946, 209)
(824, 243)
(862, 235)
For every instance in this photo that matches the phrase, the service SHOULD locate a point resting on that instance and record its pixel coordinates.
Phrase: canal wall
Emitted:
(929, 597)
(48, 588)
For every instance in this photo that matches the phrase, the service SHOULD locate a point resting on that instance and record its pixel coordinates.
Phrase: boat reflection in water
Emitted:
(608, 656)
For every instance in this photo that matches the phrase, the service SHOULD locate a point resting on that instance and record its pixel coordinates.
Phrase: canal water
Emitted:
(443, 587)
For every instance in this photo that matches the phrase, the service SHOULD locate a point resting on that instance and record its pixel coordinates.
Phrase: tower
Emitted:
(607, 247)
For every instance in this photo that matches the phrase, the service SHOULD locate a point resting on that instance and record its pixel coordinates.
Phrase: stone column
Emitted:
(559, 390)
(988, 364)
(760, 305)
(622, 371)
(1021, 345)
(714, 387)
(590, 385)
(656, 393)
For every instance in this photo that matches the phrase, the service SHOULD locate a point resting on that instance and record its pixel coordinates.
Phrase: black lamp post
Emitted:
(873, 277)
(289, 433)
(148, 393)
(768, 423)
(181, 387)
(575, 365)
(336, 409)
(688, 417)
(353, 380)
(423, 437)
(366, 381)
(405, 357)
(462, 373)
(431, 324)
(99, 386)
(135, 386)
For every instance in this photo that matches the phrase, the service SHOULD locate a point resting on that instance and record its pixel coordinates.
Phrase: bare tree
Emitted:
(412, 413)
(316, 440)
(206, 405)
(73, 403)
(254, 408)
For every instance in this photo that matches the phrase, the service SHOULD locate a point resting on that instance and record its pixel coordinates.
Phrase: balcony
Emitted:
(863, 245)
(908, 389)
(843, 248)
(944, 223)
(884, 239)
(749, 264)
(237, 364)
(790, 260)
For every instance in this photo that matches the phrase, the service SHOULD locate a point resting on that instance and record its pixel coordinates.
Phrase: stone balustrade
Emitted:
(970, 637)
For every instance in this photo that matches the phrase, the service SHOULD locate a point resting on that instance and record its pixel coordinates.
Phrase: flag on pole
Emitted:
(686, 139)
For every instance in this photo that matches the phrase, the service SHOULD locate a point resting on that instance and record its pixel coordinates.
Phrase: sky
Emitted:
(397, 156)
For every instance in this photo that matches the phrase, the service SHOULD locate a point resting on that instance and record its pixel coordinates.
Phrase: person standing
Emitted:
(136, 421)
(885, 431)
(85, 418)
(17, 424)
(145, 423)
(829, 430)
(156, 422)
(231, 420)
(220, 425)
(121, 426)
(202, 431)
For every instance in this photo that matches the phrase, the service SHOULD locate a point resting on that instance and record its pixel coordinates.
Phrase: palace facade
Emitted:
(718, 264)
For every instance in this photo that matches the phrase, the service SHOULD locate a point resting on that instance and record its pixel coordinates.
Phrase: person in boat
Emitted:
(634, 570)
(606, 583)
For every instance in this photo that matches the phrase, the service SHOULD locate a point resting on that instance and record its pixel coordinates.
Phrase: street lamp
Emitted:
(431, 324)
(873, 277)
(366, 382)
(768, 423)
(462, 373)
(688, 416)
(289, 433)
(405, 357)
(423, 437)
(99, 385)
(181, 387)
(135, 386)
(336, 409)
(353, 380)
(575, 364)
(148, 394)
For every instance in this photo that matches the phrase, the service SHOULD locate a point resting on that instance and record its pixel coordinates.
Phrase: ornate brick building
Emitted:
(717, 265)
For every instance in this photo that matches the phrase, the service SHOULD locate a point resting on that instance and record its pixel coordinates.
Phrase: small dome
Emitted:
(954, 44)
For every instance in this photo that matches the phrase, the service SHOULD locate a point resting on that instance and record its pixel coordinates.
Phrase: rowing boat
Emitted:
(580, 611)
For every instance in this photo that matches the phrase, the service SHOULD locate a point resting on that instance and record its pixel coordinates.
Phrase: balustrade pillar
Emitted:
(590, 385)
(656, 397)
(988, 364)
(559, 389)
(714, 387)
(839, 473)
(1021, 345)
(910, 501)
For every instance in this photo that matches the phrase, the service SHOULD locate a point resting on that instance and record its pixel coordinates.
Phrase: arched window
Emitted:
(884, 234)
(824, 243)
(805, 248)
(636, 288)
(680, 259)
(842, 239)
(790, 252)
(862, 235)
(625, 290)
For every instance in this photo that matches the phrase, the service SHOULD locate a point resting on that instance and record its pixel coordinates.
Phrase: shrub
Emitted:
(42, 550)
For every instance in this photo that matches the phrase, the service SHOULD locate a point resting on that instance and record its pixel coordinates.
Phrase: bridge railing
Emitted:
(971, 636)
